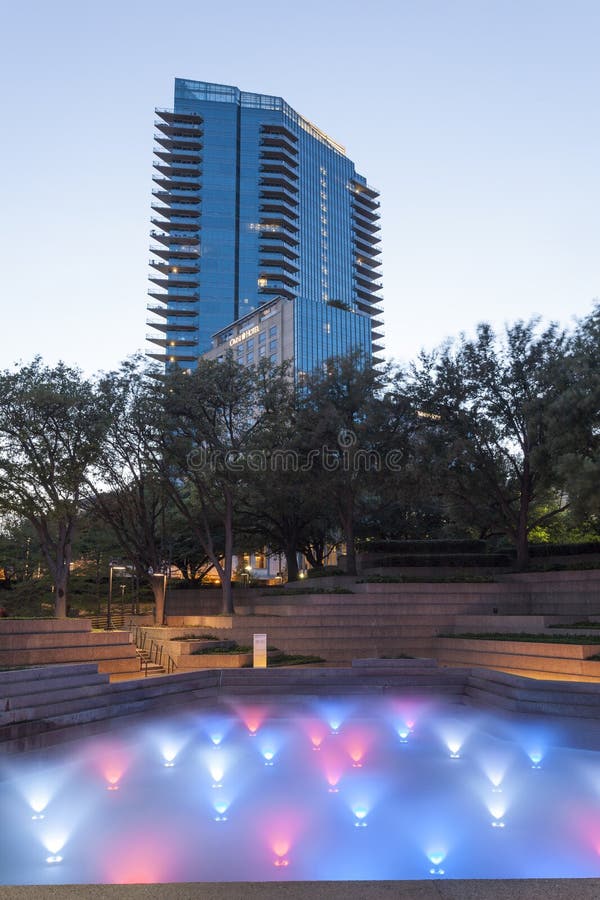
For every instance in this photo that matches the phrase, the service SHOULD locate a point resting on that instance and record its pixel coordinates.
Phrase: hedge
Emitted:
(425, 547)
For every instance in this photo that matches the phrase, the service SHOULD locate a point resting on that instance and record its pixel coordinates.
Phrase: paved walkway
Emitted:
(539, 889)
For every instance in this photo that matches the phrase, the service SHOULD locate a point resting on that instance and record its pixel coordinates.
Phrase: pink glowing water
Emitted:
(399, 789)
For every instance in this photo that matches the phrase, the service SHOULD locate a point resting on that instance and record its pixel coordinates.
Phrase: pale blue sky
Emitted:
(477, 119)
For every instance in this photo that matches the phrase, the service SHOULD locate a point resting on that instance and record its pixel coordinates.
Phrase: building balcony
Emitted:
(177, 295)
(279, 193)
(169, 115)
(273, 128)
(179, 129)
(361, 201)
(363, 216)
(178, 158)
(278, 263)
(367, 222)
(368, 234)
(187, 329)
(285, 223)
(276, 280)
(365, 250)
(179, 356)
(170, 344)
(178, 268)
(268, 156)
(176, 218)
(279, 247)
(183, 253)
(190, 225)
(178, 170)
(267, 169)
(367, 267)
(186, 196)
(365, 191)
(279, 142)
(270, 182)
(367, 293)
(178, 144)
(283, 234)
(175, 241)
(175, 281)
(171, 182)
(278, 209)
(367, 284)
(369, 304)
(271, 291)
(190, 314)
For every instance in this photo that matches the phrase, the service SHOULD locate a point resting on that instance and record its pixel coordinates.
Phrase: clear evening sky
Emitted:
(477, 119)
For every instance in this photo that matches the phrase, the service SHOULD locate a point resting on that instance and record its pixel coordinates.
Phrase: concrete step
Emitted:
(542, 666)
(519, 688)
(47, 655)
(41, 626)
(62, 639)
(12, 679)
(74, 691)
(50, 706)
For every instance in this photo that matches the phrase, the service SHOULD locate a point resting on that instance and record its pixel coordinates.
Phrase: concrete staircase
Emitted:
(525, 695)
(374, 620)
(148, 668)
(45, 705)
(35, 642)
(550, 599)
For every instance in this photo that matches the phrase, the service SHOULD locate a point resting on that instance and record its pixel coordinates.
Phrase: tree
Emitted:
(50, 435)
(575, 432)
(357, 428)
(487, 405)
(125, 488)
(214, 419)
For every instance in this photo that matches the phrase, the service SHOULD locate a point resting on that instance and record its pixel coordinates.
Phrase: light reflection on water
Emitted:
(397, 790)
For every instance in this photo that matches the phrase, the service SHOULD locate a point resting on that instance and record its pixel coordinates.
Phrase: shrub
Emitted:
(324, 572)
(424, 547)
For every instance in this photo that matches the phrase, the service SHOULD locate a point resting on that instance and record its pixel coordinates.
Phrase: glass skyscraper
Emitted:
(254, 203)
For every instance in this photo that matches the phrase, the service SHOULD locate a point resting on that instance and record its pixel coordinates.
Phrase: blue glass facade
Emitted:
(255, 202)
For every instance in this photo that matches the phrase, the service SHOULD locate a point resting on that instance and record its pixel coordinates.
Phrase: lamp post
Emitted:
(111, 568)
(165, 571)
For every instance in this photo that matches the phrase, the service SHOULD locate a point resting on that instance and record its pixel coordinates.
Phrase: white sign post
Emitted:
(260, 651)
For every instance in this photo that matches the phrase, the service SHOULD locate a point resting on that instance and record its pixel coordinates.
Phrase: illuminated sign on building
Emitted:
(243, 335)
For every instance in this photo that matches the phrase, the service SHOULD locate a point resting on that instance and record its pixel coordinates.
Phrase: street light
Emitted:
(111, 568)
(165, 572)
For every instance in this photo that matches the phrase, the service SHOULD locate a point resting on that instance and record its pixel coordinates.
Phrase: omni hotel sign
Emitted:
(244, 335)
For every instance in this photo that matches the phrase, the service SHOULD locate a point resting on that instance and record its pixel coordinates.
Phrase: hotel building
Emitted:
(265, 237)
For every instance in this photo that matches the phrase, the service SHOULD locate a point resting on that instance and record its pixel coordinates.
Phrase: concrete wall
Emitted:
(38, 642)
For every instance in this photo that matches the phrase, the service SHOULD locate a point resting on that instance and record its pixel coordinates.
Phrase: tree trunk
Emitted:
(227, 593)
(522, 546)
(158, 584)
(291, 558)
(522, 535)
(348, 526)
(61, 593)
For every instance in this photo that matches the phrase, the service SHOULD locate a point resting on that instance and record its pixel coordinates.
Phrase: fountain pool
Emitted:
(311, 789)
